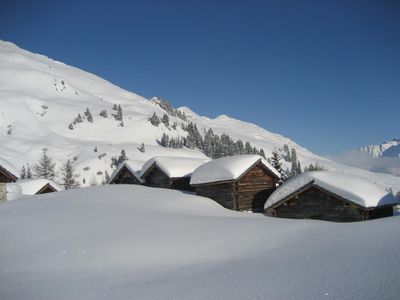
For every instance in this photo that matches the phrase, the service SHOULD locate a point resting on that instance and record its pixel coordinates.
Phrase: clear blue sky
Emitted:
(324, 73)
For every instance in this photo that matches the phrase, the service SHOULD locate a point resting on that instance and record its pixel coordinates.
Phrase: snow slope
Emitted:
(40, 98)
(134, 242)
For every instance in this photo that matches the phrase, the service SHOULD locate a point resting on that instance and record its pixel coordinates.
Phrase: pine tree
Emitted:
(103, 113)
(22, 173)
(88, 115)
(275, 161)
(240, 146)
(106, 177)
(28, 172)
(123, 156)
(247, 148)
(154, 120)
(293, 156)
(142, 148)
(262, 153)
(315, 167)
(69, 178)
(165, 140)
(165, 120)
(45, 167)
(119, 113)
(115, 162)
(286, 152)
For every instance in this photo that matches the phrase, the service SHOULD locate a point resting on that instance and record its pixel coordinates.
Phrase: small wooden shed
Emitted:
(170, 172)
(240, 182)
(6, 176)
(330, 196)
(28, 187)
(127, 172)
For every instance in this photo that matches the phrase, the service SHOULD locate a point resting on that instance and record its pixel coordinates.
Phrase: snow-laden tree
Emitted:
(275, 161)
(142, 148)
(45, 166)
(22, 173)
(69, 178)
(164, 140)
(103, 113)
(154, 120)
(165, 120)
(88, 115)
(107, 176)
(116, 161)
(28, 172)
(314, 167)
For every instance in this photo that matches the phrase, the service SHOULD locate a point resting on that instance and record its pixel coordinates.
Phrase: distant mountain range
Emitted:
(75, 114)
(382, 158)
(386, 149)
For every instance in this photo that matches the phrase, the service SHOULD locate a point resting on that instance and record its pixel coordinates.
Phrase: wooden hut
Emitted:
(240, 182)
(6, 176)
(170, 172)
(28, 187)
(330, 196)
(127, 172)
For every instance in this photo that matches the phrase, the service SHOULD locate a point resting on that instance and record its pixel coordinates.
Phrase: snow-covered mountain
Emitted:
(43, 104)
(386, 149)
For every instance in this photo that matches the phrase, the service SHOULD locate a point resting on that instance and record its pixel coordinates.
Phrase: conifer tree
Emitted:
(275, 161)
(165, 120)
(45, 166)
(28, 172)
(142, 148)
(262, 153)
(88, 115)
(22, 173)
(164, 140)
(247, 148)
(69, 178)
(154, 120)
(107, 176)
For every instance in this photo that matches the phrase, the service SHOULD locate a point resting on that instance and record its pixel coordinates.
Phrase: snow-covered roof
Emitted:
(359, 191)
(228, 168)
(28, 187)
(134, 166)
(172, 166)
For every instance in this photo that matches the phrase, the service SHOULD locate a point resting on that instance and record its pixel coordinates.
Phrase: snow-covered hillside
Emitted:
(41, 100)
(135, 242)
(386, 149)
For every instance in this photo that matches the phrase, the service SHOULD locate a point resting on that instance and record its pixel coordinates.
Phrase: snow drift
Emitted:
(134, 242)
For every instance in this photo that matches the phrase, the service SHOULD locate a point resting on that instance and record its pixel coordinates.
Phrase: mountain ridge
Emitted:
(45, 102)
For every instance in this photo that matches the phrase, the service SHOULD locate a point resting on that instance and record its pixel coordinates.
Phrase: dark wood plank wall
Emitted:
(5, 177)
(316, 204)
(253, 189)
(223, 193)
(157, 178)
(125, 177)
(182, 184)
(380, 212)
(46, 189)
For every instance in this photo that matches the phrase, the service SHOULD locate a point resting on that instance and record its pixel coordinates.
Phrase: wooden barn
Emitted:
(170, 172)
(330, 196)
(127, 172)
(6, 176)
(29, 187)
(240, 182)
